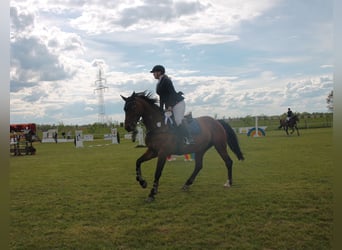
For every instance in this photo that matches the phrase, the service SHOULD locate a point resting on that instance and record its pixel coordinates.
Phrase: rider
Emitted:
(289, 115)
(172, 100)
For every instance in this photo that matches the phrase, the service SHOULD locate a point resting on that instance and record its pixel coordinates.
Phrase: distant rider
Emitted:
(289, 115)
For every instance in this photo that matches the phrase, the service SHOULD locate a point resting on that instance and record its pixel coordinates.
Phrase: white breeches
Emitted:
(178, 112)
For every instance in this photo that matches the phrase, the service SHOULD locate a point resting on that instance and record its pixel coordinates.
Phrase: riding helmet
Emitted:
(157, 68)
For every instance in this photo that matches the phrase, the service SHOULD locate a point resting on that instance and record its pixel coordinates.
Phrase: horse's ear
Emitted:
(124, 98)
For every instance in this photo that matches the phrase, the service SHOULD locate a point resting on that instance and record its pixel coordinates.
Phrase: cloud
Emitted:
(229, 57)
(157, 11)
(32, 62)
(290, 59)
(16, 85)
(308, 94)
(35, 95)
(308, 87)
(39, 54)
(202, 39)
(144, 15)
(325, 66)
(20, 22)
(98, 63)
(190, 22)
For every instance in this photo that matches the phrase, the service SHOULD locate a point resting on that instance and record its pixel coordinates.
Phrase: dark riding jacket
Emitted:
(167, 93)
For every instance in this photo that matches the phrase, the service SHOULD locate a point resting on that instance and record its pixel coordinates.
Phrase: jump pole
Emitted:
(256, 127)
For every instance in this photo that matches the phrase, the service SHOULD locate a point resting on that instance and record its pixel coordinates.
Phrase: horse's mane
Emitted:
(147, 96)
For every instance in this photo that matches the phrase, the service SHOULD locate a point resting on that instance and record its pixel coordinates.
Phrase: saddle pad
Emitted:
(194, 126)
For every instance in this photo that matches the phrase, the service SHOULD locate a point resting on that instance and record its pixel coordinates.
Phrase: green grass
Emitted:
(87, 198)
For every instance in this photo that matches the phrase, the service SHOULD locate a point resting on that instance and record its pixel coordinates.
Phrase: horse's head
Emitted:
(135, 107)
(132, 112)
(295, 118)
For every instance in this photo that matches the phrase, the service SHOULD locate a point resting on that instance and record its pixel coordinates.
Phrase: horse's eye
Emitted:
(129, 106)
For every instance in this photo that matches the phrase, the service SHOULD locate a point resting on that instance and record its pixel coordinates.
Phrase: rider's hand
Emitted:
(168, 113)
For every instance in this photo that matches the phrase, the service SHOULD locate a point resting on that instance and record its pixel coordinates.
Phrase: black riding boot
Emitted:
(185, 132)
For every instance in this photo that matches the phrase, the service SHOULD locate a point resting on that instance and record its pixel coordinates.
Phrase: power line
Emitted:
(100, 84)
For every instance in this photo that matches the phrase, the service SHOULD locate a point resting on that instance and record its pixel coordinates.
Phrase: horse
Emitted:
(162, 141)
(292, 123)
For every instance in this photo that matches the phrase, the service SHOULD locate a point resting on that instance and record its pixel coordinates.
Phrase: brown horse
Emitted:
(162, 141)
(292, 124)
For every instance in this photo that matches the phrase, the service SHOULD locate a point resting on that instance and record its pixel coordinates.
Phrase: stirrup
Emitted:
(188, 141)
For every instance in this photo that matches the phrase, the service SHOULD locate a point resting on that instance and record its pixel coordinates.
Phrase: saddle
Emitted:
(190, 123)
(289, 120)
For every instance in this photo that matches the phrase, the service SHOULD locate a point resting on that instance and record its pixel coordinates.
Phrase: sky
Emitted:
(230, 58)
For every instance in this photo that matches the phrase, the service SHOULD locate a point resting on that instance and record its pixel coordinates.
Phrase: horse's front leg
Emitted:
(292, 130)
(157, 174)
(297, 130)
(148, 155)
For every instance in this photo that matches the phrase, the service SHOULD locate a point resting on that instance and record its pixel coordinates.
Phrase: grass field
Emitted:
(87, 198)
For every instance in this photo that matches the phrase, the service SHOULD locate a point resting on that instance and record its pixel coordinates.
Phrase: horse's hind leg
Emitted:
(222, 150)
(198, 167)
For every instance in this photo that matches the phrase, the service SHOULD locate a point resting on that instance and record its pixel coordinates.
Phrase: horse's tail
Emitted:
(232, 139)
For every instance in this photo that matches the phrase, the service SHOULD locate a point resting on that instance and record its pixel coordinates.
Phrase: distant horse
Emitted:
(162, 141)
(30, 136)
(292, 124)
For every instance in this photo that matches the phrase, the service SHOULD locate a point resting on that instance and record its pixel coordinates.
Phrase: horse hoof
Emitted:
(185, 188)
(143, 184)
(150, 199)
(227, 185)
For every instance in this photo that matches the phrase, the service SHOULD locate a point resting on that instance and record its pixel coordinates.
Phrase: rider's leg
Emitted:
(178, 113)
(186, 132)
